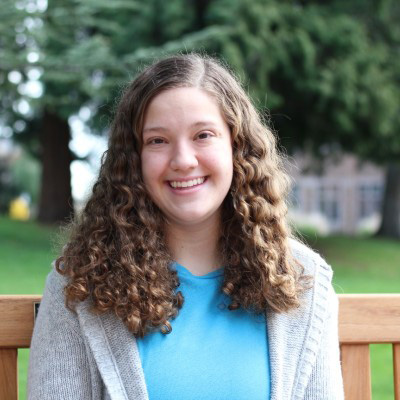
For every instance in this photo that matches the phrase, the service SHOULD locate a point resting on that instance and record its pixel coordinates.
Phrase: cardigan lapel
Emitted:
(294, 337)
(285, 340)
(116, 354)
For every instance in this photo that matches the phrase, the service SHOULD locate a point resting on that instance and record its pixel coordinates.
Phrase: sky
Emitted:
(84, 144)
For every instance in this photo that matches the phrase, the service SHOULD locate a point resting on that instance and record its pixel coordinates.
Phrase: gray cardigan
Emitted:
(84, 356)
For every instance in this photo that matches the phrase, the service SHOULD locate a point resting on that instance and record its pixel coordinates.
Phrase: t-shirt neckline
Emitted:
(184, 271)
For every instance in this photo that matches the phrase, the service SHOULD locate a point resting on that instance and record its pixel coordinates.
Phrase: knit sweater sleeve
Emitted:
(326, 377)
(58, 365)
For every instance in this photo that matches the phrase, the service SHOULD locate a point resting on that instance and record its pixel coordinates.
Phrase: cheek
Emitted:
(145, 171)
(221, 165)
(223, 159)
(228, 166)
(152, 167)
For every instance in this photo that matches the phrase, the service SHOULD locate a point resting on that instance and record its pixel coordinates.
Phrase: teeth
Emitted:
(191, 183)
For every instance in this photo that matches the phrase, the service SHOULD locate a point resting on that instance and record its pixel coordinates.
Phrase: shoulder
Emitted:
(55, 284)
(321, 297)
(53, 299)
(310, 260)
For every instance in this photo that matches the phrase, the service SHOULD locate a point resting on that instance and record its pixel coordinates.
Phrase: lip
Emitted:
(188, 179)
(187, 190)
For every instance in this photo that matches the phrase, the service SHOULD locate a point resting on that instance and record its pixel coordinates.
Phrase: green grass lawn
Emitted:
(361, 265)
(26, 253)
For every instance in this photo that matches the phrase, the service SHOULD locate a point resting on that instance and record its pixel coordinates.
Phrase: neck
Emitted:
(196, 247)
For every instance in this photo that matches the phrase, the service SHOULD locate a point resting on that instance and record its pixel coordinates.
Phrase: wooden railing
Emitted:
(363, 320)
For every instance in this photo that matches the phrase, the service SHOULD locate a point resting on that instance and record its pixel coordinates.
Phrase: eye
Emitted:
(204, 135)
(156, 141)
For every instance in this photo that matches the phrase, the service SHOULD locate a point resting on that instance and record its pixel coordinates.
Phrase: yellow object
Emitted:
(19, 209)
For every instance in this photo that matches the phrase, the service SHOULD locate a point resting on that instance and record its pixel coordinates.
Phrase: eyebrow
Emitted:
(163, 129)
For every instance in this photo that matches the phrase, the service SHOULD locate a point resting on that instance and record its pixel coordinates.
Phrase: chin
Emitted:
(190, 219)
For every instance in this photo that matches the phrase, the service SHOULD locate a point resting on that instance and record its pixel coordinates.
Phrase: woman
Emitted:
(181, 279)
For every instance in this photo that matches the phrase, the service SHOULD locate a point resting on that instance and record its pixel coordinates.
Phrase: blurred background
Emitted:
(326, 74)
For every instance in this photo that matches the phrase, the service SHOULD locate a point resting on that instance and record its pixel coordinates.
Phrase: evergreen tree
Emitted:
(327, 74)
(327, 77)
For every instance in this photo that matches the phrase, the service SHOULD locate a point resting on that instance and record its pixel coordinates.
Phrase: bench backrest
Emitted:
(16, 326)
(363, 319)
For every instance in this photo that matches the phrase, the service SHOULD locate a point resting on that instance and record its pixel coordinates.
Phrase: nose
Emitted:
(183, 157)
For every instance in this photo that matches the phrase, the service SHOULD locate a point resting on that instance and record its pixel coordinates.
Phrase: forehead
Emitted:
(182, 106)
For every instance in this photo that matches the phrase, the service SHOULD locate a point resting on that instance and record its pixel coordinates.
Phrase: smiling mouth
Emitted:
(187, 184)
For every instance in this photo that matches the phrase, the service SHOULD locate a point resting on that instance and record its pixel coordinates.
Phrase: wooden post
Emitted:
(356, 371)
(8, 374)
(396, 370)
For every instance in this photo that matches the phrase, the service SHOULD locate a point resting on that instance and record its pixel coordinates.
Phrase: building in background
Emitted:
(341, 195)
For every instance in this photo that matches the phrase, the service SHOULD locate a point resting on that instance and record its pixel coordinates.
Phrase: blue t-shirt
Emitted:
(211, 353)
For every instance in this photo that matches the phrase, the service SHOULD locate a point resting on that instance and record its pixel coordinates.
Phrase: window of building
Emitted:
(329, 202)
(370, 199)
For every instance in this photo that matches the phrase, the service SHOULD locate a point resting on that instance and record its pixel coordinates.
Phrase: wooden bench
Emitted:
(363, 319)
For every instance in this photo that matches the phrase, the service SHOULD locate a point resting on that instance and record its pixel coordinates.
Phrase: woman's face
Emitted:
(186, 155)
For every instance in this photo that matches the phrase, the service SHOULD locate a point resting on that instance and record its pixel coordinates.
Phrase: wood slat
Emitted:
(8, 374)
(16, 320)
(356, 371)
(373, 318)
(396, 370)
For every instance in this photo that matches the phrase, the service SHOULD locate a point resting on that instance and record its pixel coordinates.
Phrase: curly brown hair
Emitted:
(117, 254)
